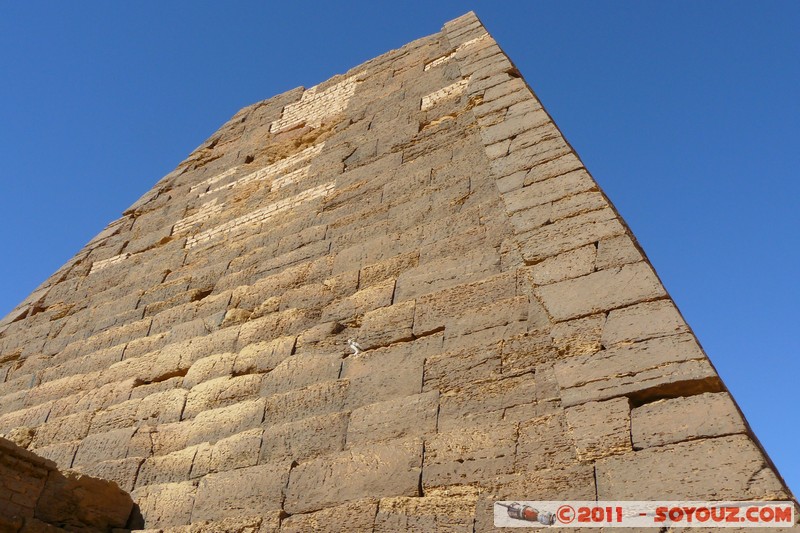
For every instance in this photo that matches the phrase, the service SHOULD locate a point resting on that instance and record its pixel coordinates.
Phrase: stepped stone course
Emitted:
(515, 341)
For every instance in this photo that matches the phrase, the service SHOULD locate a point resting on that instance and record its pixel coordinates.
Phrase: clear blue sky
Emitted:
(687, 114)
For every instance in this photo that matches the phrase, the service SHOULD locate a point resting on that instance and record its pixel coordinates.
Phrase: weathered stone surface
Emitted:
(357, 516)
(642, 321)
(387, 325)
(304, 438)
(415, 416)
(166, 505)
(670, 421)
(375, 470)
(544, 442)
(469, 455)
(263, 356)
(670, 364)
(247, 491)
(600, 291)
(314, 400)
(80, 500)
(600, 428)
(300, 371)
(221, 392)
(383, 374)
(722, 468)
(516, 342)
(123, 472)
(434, 513)
(170, 468)
(433, 311)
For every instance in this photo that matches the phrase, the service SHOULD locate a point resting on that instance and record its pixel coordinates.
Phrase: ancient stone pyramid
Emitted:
(514, 341)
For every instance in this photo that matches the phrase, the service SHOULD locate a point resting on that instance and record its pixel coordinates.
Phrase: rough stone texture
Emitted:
(679, 419)
(35, 496)
(515, 342)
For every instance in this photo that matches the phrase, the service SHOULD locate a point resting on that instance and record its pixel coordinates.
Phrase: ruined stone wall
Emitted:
(36, 497)
(516, 342)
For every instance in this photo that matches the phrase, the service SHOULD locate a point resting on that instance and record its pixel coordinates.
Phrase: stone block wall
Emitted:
(515, 342)
(35, 496)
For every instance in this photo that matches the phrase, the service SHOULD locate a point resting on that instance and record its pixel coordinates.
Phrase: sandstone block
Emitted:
(433, 310)
(617, 251)
(600, 429)
(263, 356)
(304, 438)
(123, 472)
(238, 451)
(221, 392)
(67, 428)
(523, 353)
(351, 308)
(246, 491)
(106, 446)
(491, 322)
(467, 456)
(383, 374)
(569, 233)
(413, 416)
(679, 419)
(547, 191)
(723, 468)
(600, 291)
(643, 321)
(390, 268)
(376, 470)
(276, 325)
(460, 368)
(216, 424)
(485, 402)
(442, 273)
(166, 505)
(170, 468)
(581, 336)
(300, 371)
(544, 442)
(572, 264)
(387, 325)
(62, 454)
(210, 367)
(430, 513)
(668, 363)
(315, 400)
(357, 516)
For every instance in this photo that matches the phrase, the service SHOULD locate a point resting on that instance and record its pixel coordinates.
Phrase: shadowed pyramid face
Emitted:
(423, 212)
